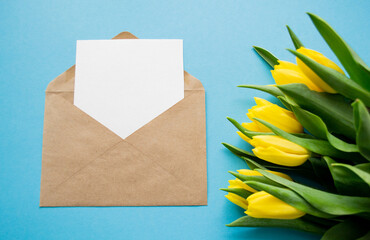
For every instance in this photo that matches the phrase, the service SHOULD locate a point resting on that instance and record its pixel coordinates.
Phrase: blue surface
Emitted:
(38, 39)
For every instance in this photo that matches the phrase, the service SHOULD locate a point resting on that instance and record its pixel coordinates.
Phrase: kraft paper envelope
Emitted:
(85, 164)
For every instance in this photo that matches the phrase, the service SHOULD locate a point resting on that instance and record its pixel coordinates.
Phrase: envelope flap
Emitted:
(85, 164)
(65, 81)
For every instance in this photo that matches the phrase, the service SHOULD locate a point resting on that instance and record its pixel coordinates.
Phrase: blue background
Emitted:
(37, 43)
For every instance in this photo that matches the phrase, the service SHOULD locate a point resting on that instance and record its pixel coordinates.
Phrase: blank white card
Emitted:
(124, 84)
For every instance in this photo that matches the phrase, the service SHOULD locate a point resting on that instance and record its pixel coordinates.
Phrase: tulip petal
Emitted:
(265, 205)
(237, 200)
(249, 172)
(237, 183)
(251, 126)
(276, 115)
(276, 156)
(319, 58)
(287, 76)
(251, 115)
(262, 102)
(335, 79)
(310, 73)
(278, 143)
(245, 138)
(290, 197)
(287, 65)
(261, 164)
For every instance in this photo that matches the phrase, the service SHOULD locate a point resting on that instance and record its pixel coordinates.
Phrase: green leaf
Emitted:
(326, 202)
(297, 43)
(251, 134)
(328, 222)
(348, 181)
(362, 123)
(246, 132)
(350, 229)
(273, 90)
(286, 102)
(340, 144)
(355, 66)
(238, 191)
(290, 197)
(311, 122)
(314, 145)
(316, 126)
(262, 179)
(267, 56)
(365, 237)
(364, 167)
(335, 79)
(322, 172)
(252, 164)
(238, 151)
(305, 169)
(364, 176)
(333, 109)
(298, 224)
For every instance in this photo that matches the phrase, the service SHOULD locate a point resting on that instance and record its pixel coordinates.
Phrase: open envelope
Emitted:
(85, 164)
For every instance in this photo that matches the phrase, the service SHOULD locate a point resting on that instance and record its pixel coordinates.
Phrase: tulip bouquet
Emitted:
(309, 168)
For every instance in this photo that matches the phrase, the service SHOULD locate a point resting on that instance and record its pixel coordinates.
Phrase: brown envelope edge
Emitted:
(63, 85)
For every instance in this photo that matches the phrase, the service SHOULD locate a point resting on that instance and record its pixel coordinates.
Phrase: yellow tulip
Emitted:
(238, 200)
(278, 150)
(237, 183)
(320, 58)
(264, 205)
(273, 114)
(286, 72)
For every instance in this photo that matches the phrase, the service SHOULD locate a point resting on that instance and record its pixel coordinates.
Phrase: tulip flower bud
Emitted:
(273, 114)
(238, 200)
(286, 72)
(278, 150)
(237, 183)
(264, 205)
(320, 58)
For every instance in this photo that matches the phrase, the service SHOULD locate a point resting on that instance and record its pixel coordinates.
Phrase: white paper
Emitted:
(124, 84)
